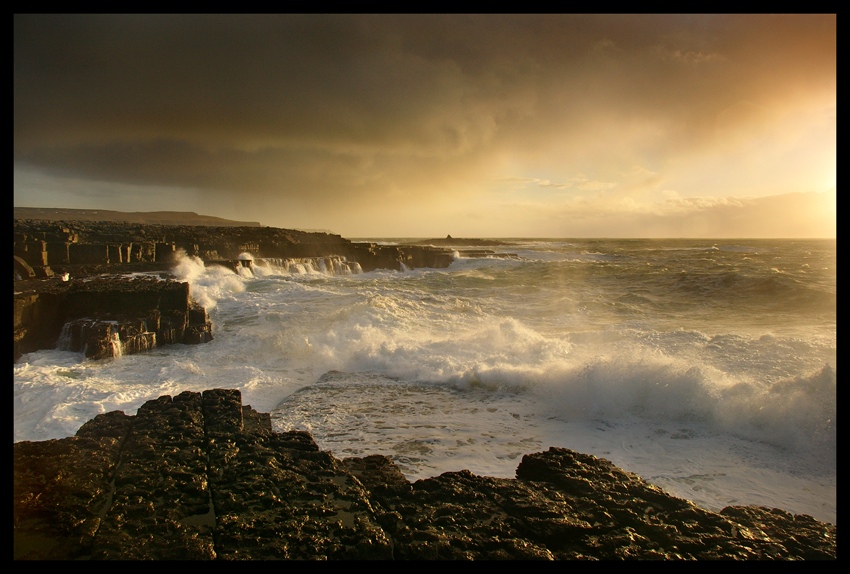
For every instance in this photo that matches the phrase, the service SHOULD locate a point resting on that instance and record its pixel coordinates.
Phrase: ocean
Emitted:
(708, 367)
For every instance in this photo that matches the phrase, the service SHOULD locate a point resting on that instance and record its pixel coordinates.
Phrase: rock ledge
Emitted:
(199, 476)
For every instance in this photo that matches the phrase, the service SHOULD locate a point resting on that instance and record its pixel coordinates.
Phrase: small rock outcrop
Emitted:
(199, 476)
(106, 316)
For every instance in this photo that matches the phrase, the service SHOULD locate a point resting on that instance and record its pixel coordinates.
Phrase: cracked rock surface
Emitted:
(199, 476)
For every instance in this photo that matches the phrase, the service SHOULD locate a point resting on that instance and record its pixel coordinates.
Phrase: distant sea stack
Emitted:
(457, 242)
(144, 217)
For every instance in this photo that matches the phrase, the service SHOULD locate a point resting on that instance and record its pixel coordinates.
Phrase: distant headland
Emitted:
(143, 217)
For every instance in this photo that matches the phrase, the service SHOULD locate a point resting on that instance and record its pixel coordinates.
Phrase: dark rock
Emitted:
(86, 246)
(107, 316)
(93, 254)
(200, 476)
(99, 340)
(23, 270)
(38, 320)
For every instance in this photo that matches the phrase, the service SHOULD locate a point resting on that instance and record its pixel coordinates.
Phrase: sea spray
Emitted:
(708, 367)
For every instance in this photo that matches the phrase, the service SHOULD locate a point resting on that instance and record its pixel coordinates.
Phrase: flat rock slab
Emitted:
(199, 476)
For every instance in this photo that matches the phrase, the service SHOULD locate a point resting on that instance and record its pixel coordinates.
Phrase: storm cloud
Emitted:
(421, 125)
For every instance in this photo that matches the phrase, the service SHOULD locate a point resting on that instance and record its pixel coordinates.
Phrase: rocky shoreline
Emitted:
(106, 287)
(58, 261)
(199, 476)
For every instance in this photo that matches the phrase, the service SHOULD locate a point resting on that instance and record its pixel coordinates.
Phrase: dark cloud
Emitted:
(339, 106)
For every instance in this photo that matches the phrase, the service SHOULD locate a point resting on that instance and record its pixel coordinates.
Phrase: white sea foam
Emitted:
(716, 389)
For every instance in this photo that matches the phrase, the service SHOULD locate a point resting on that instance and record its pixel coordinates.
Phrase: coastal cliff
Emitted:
(48, 247)
(199, 476)
(106, 287)
(106, 316)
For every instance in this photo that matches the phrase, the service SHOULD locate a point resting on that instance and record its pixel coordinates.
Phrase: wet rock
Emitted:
(85, 247)
(107, 316)
(200, 476)
(71, 271)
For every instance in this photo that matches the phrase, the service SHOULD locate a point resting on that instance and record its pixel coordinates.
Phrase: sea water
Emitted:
(708, 367)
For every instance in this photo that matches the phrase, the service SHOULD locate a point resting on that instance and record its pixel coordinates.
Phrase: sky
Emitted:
(373, 126)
